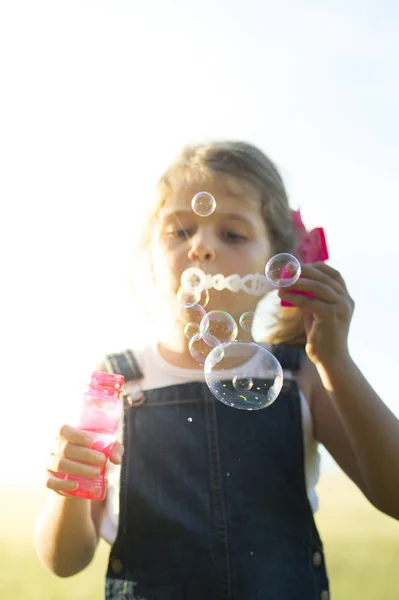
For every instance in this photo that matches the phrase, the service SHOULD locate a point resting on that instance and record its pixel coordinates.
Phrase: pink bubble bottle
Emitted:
(100, 417)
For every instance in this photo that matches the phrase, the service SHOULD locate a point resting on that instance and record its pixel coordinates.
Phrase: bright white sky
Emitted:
(97, 97)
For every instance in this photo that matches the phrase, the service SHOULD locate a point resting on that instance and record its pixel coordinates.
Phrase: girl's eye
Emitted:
(177, 234)
(233, 236)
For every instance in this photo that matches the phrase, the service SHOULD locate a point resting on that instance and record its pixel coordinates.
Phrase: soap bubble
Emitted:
(188, 298)
(242, 384)
(247, 376)
(199, 348)
(192, 279)
(192, 314)
(190, 330)
(283, 270)
(203, 204)
(204, 298)
(218, 354)
(246, 321)
(220, 325)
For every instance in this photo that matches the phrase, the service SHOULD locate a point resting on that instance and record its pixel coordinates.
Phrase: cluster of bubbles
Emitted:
(240, 374)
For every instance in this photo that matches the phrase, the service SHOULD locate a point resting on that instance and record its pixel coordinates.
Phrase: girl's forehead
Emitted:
(231, 195)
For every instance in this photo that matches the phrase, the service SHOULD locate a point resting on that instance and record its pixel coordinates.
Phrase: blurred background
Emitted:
(96, 99)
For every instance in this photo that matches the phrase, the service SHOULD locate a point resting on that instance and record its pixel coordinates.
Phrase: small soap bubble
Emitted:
(247, 376)
(251, 553)
(283, 270)
(192, 279)
(228, 474)
(246, 321)
(204, 298)
(203, 204)
(198, 348)
(190, 330)
(189, 420)
(217, 354)
(192, 314)
(242, 384)
(187, 298)
(219, 325)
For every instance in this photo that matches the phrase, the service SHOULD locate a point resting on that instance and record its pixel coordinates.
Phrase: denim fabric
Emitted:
(213, 502)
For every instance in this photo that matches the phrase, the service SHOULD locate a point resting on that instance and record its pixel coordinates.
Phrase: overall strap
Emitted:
(290, 358)
(123, 363)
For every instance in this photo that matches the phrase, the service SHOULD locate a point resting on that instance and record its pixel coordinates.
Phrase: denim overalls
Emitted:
(213, 502)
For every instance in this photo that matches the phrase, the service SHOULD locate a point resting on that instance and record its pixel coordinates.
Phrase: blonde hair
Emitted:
(232, 161)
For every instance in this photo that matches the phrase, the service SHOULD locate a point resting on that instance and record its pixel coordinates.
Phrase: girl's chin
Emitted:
(236, 303)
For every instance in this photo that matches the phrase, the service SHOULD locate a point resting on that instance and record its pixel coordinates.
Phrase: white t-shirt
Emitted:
(159, 373)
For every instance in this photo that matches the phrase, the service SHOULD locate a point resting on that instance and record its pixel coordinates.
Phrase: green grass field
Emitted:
(362, 549)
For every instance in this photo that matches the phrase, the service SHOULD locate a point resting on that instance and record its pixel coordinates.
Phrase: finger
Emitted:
(61, 485)
(74, 435)
(312, 271)
(77, 452)
(59, 464)
(332, 273)
(324, 272)
(116, 453)
(316, 307)
(320, 290)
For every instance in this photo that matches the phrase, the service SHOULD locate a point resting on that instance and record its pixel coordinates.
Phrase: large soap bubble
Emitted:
(283, 270)
(243, 375)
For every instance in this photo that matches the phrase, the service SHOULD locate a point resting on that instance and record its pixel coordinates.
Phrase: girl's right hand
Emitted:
(69, 451)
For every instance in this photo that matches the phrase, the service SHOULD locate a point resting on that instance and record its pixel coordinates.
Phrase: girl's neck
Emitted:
(177, 354)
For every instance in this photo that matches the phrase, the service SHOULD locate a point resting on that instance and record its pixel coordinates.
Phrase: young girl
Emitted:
(210, 502)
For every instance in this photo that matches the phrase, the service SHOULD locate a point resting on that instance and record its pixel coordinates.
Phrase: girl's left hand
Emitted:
(327, 316)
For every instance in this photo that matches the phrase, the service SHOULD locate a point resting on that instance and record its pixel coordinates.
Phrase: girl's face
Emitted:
(233, 239)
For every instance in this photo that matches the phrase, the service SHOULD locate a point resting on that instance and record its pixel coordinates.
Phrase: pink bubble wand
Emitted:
(311, 248)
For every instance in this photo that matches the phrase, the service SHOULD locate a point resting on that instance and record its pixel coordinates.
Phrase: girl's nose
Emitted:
(201, 251)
